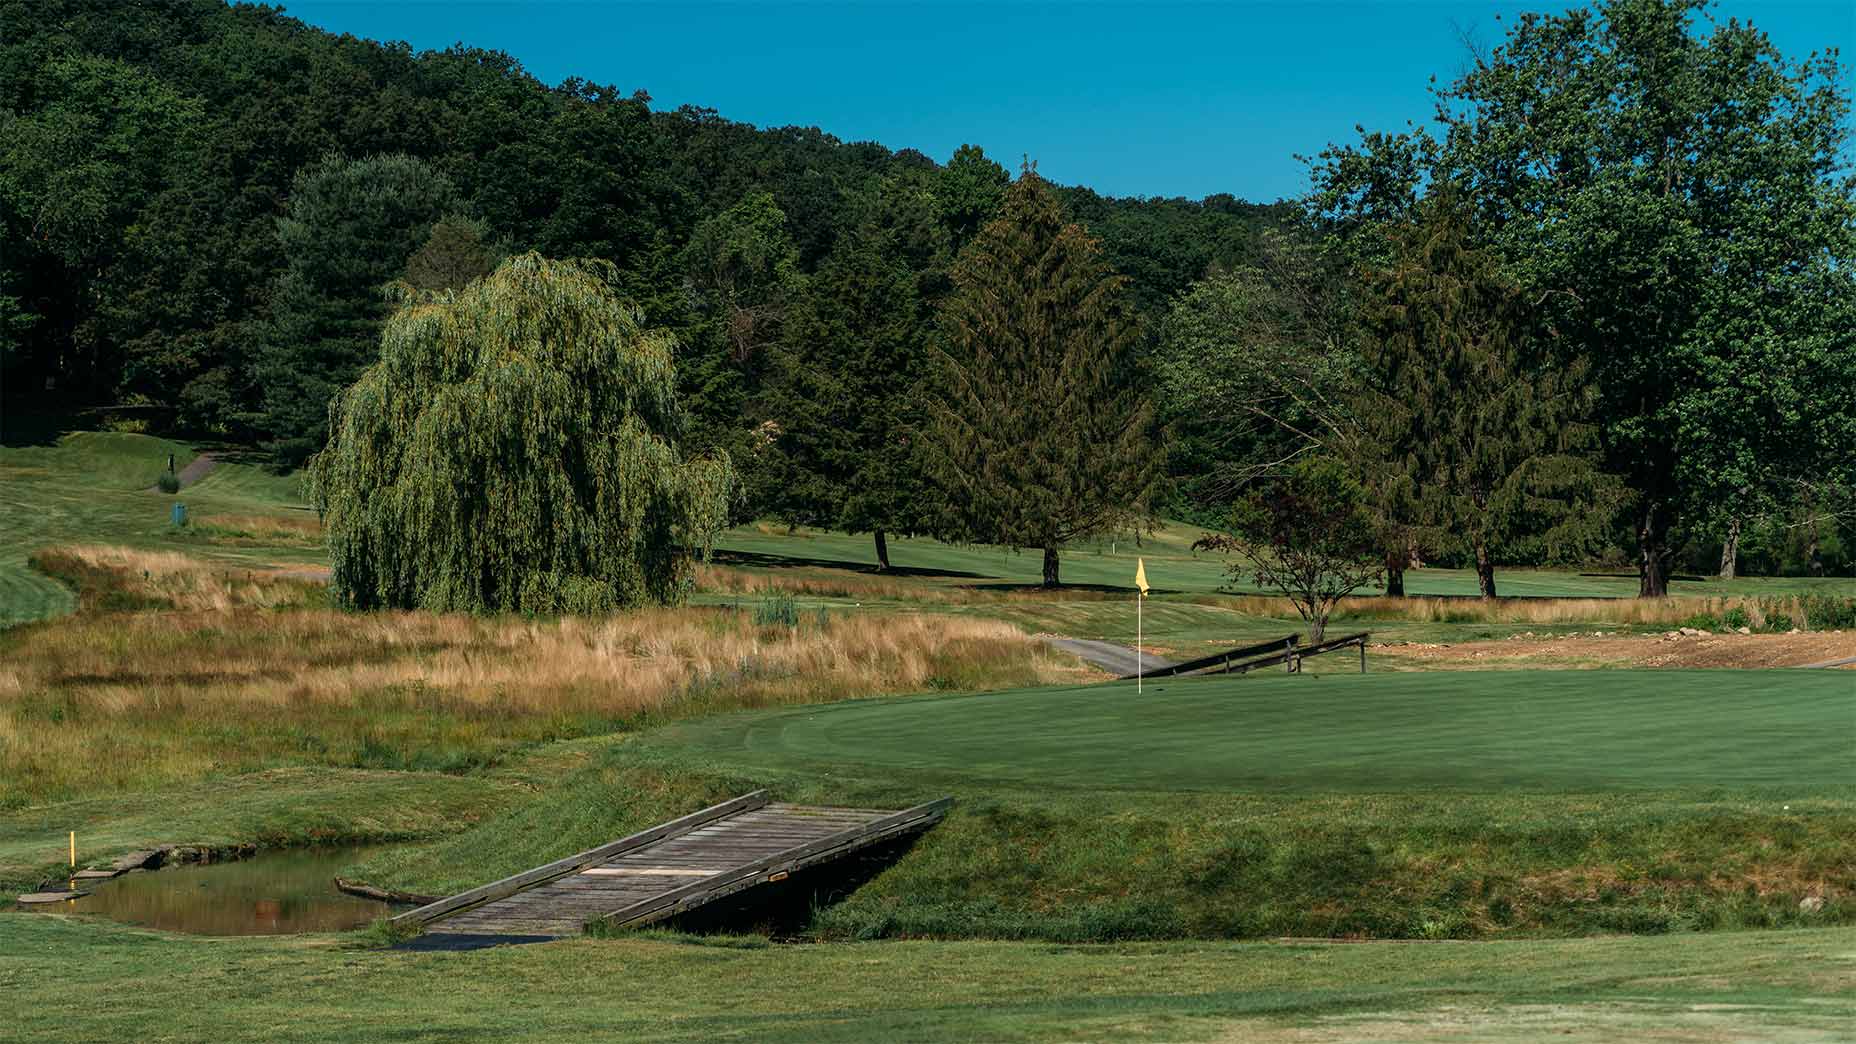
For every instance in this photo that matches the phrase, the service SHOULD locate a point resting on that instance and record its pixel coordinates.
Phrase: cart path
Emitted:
(196, 469)
(1118, 660)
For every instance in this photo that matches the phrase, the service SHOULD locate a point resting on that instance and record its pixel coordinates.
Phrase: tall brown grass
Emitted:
(299, 530)
(213, 679)
(1658, 612)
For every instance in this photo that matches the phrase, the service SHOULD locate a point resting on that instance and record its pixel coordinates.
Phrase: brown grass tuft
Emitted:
(1657, 612)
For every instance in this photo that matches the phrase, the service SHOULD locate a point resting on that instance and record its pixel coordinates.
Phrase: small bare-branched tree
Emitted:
(1309, 535)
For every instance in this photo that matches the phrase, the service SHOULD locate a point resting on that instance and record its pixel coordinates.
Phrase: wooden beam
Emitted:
(561, 867)
(1221, 660)
(749, 874)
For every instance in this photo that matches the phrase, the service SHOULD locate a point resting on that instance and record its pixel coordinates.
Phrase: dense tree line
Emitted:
(1601, 305)
(1605, 310)
(200, 202)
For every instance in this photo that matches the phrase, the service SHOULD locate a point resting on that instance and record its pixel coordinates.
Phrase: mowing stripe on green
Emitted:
(1535, 730)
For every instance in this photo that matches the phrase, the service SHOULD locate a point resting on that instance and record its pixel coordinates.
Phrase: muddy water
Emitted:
(278, 892)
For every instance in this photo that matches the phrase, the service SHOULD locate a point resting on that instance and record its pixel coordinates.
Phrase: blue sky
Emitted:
(1130, 99)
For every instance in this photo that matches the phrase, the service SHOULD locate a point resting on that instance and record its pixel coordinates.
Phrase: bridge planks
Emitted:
(671, 868)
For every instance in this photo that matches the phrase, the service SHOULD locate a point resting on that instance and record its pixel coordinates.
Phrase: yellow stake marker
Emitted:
(74, 850)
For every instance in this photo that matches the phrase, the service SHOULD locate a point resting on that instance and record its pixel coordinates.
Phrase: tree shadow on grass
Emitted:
(759, 560)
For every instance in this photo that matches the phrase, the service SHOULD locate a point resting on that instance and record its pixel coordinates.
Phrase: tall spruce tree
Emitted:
(351, 227)
(846, 404)
(1041, 436)
(1490, 433)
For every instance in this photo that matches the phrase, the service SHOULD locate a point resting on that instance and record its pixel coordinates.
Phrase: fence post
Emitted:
(1362, 656)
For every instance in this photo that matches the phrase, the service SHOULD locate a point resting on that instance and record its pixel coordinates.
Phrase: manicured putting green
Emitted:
(1794, 731)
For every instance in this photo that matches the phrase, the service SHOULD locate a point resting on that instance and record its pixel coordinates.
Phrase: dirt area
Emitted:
(1609, 649)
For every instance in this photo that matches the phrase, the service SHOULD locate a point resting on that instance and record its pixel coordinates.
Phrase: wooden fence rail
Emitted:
(1292, 659)
(1217, 663)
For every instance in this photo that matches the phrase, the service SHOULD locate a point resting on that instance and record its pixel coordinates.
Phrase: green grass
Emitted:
(95, 487)
(279, 807)
(1537, 731)
(1172, 566)
(130, 984)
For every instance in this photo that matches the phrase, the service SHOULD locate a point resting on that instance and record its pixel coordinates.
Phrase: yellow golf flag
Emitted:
(1140, 574)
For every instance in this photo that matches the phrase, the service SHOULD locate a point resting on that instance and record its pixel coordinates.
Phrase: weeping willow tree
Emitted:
(514, 451)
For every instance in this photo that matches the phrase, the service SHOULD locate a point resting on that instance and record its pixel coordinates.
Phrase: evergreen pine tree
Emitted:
(351, 226)
(1489, 435)
(846, 400)
(457, 252)
(1041, 436)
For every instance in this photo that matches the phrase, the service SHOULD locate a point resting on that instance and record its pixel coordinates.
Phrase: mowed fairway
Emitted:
(1550, 731)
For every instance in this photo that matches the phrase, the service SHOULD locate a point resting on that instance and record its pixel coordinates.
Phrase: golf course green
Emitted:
(1312, 733)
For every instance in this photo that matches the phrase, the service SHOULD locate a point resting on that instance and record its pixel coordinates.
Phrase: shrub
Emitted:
(1778, 623)
(777, 610)
(1736, 618)
(1824, 613)
(1703, 621)
(168, 482)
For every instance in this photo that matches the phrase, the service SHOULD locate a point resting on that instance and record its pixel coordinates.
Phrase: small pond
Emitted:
(276, 892)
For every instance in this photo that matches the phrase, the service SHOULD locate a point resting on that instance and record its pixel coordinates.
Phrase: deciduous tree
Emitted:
(1307, 533)
(514, 450)
(1681, 192)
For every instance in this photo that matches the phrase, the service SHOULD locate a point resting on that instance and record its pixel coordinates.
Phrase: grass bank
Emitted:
(1795, 986)
(1389, 806)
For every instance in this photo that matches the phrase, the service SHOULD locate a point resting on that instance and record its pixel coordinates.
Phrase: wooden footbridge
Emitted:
(670, 868)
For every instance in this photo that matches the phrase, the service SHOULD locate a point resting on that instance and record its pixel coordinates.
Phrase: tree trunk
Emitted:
(1485, 570)
(882, 552)
(1652, 556)
(1813, 552)
(1730, 551)
(1395, 573)
(1050, 567)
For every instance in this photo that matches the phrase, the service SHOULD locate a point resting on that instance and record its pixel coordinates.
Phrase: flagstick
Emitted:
(1138, 599)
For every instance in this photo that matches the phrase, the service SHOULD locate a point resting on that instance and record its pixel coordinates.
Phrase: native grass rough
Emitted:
(184, 670)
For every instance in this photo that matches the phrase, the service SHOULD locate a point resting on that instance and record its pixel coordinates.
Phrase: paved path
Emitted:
(1844, 662)
(1115, 659)
(196, 469)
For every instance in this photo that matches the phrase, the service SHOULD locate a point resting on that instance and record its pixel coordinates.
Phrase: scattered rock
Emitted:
(1811, 903)
(142, 860)
(33, 898)
(1743, 630)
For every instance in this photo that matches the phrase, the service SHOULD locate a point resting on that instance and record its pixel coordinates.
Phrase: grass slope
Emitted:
(1796, 986)
(95, 486)
(1408, 806)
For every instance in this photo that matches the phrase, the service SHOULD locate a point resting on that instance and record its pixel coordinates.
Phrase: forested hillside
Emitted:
(200, 203)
